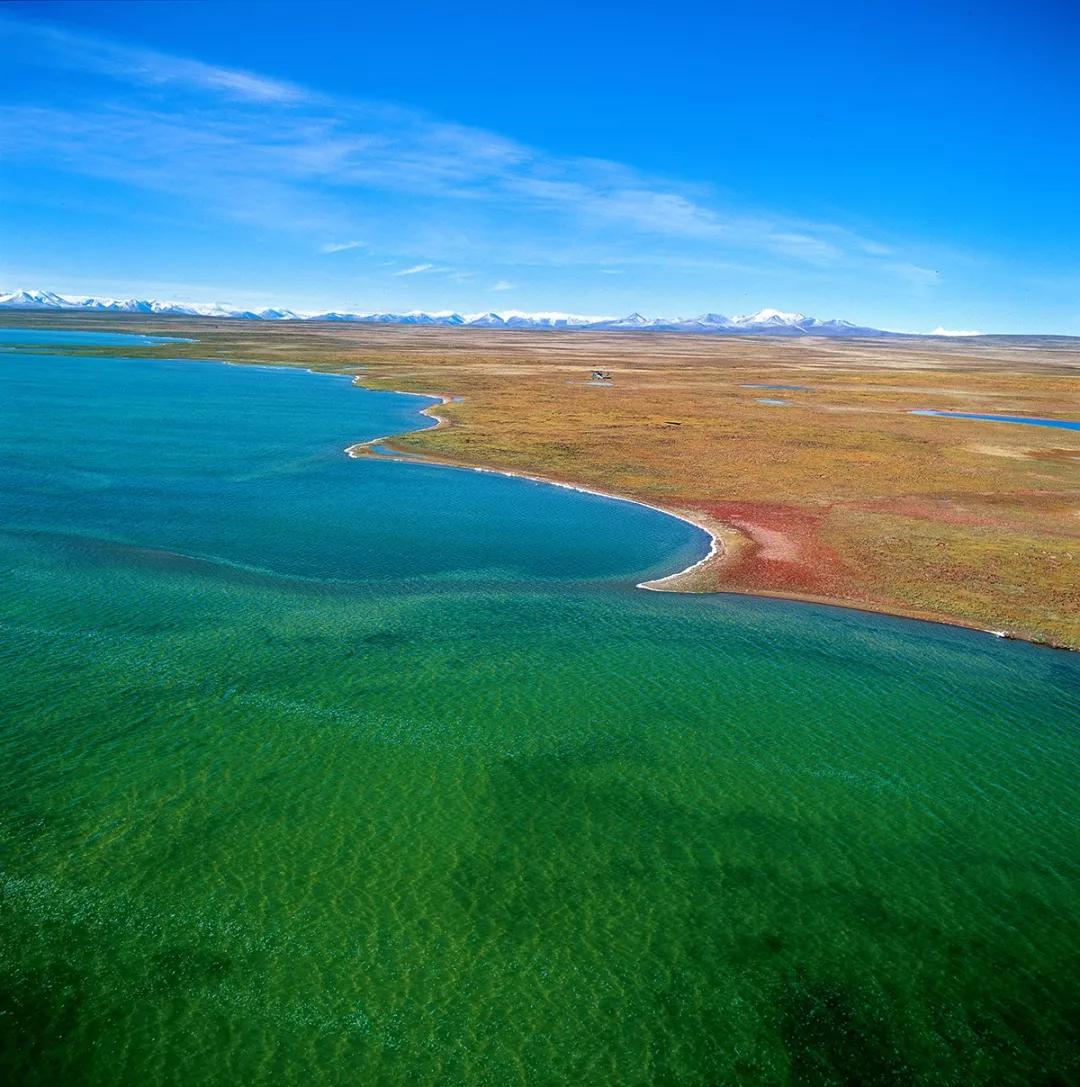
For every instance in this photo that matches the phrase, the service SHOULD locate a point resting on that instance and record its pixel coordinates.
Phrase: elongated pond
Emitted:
(1022, 420)
(356, 772)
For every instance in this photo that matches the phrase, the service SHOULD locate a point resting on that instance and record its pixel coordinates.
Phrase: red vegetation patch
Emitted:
(786, 554)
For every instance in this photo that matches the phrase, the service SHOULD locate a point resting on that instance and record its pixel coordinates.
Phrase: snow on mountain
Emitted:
(173, 309)
(35, 300)
(633, 320)
(705, 322)
(770, 317)
(766, 322)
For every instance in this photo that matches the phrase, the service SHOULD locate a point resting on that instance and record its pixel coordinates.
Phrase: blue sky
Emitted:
(906, 165)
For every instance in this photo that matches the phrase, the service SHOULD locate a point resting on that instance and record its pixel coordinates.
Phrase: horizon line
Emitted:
(104, 303)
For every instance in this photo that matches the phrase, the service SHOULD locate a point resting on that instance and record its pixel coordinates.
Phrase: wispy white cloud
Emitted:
(416, 269)
(253, 149)
(817, 250)
(502, 285)
(916, 275)
(939, 331)
(132, 64)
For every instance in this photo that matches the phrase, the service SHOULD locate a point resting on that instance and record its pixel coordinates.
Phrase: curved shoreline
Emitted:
(717, 550)
(720, 552)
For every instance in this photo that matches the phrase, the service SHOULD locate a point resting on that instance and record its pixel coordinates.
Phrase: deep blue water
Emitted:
(1028, 420)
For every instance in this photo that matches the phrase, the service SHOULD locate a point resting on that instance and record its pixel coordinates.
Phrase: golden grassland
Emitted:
(839, 495)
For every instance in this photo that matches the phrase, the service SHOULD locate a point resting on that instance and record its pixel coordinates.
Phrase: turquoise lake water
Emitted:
(26, 337)
(316, 770)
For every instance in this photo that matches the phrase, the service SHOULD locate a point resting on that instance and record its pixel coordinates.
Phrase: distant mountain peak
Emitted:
(34, 299)
(766, 322)
(771, 317)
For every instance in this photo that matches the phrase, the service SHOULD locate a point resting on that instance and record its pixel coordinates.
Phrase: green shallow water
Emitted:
(319, 771)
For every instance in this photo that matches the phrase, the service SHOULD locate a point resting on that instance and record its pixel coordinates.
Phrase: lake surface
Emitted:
(1028, 420)
(327, 771)
(74, 337)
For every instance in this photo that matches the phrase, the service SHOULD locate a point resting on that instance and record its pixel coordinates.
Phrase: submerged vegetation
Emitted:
(336, 773)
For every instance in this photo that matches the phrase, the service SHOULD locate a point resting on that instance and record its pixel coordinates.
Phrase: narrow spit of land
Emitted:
(839, 495)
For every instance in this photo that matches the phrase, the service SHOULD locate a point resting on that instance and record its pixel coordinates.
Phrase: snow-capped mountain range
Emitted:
(766, 322)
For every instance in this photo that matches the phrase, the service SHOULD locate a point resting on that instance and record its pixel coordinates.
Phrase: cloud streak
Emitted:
(253, 149)
(56, 47)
